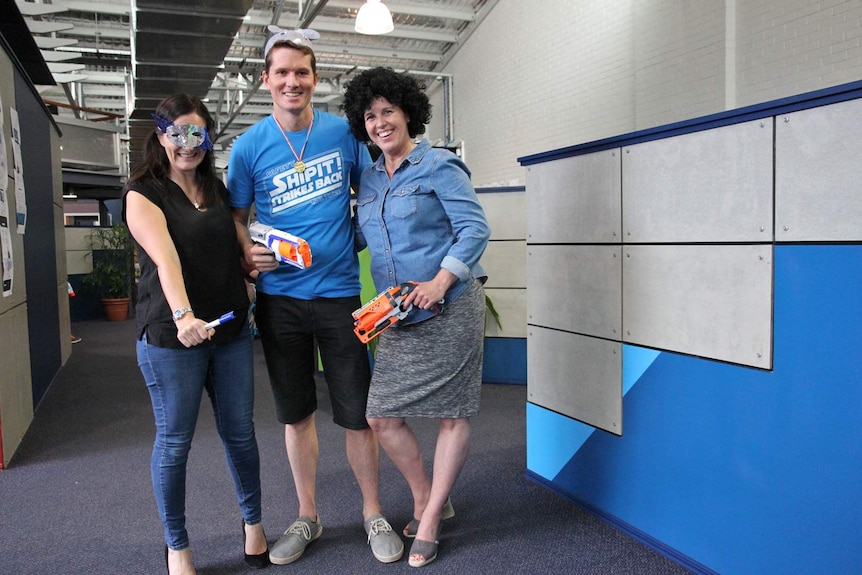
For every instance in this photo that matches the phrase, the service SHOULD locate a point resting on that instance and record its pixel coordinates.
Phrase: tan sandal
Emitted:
(413, 527)
(426, 551)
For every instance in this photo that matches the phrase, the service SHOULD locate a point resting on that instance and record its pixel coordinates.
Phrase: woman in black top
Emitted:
(175, 208)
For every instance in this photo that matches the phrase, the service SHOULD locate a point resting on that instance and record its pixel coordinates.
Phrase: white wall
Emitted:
(572, 71)
(788, 47)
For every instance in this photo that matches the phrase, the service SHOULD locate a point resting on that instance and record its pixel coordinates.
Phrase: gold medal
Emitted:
(299, 165)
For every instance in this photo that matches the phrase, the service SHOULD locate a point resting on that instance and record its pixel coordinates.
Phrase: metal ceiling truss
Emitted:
(115, 59)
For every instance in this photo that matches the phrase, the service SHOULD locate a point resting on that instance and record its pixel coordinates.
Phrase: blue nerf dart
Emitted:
(217, 322)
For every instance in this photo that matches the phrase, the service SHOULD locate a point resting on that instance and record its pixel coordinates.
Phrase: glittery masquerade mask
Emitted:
(300, 37)
(184, 135)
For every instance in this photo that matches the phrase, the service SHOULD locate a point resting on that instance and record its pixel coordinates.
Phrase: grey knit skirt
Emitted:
(432, 368)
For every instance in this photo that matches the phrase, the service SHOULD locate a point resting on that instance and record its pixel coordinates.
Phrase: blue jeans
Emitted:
(176, 379)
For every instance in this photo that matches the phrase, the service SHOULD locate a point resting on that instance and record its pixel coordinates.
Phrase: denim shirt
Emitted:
(425, 218)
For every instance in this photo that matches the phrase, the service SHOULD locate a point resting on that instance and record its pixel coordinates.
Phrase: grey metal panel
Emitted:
(575, 375)
(576, 288)
(818, 186)
(89, 144)
(167, 71)
(158, 46)
(190, 23)
(505, 214)
(575, 199)
(709, 186)
(712, 301)
(148, 87)
(505, 263)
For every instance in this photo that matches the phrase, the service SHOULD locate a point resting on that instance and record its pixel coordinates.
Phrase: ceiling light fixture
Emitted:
(374, 18)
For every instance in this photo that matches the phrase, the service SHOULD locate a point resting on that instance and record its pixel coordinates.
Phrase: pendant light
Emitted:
(374, 18)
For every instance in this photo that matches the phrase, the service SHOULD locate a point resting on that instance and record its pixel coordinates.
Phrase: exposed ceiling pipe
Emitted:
(276, 14)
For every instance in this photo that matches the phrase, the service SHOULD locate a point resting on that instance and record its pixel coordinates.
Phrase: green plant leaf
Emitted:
(113, 262)
(490, 305)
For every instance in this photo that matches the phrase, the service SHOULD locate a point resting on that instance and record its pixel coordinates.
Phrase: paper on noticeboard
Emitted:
(20, 195)
(6, 261)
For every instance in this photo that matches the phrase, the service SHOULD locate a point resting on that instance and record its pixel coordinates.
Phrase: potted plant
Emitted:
(113, 269)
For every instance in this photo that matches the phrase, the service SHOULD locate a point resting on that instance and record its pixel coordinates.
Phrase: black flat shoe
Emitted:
(260, 561)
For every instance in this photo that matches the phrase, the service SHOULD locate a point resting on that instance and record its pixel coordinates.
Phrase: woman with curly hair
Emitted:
(424, 227)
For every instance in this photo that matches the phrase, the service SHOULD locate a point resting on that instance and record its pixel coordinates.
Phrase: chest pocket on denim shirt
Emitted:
(405, 202)
(363, 207)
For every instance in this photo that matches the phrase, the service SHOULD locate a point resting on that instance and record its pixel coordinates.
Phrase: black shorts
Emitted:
(288, 328)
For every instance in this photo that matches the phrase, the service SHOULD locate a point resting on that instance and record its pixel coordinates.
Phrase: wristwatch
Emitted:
(179, 313)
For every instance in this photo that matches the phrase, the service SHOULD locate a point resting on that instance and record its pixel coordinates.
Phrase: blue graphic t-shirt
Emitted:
(313, 204)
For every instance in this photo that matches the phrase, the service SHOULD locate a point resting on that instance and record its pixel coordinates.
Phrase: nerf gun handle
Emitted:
(286, 247)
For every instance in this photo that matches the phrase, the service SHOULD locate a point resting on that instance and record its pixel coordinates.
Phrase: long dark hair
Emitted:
(155, 168)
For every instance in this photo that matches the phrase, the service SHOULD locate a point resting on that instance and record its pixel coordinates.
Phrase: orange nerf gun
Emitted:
(382, 312)
(287, 248)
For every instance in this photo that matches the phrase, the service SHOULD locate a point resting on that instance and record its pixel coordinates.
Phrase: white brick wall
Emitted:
(525, 83)
(796, 46)
(536, 76)
(679, 60)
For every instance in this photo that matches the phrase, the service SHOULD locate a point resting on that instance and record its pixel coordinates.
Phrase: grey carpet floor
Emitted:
(77, 498)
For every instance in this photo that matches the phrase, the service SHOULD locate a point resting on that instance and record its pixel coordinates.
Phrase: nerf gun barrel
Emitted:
(382, 312)
(287, 248)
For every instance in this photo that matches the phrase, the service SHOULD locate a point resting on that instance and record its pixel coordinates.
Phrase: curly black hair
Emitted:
(401, 90)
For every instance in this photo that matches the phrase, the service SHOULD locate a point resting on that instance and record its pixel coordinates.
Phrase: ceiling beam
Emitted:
(46, 26)
(339, 25)
(33, 9)
(91, 7)
(414, 9)
(54, 56)
(49, 42)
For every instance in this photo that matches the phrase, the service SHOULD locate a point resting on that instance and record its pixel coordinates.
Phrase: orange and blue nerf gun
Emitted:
(287, 248)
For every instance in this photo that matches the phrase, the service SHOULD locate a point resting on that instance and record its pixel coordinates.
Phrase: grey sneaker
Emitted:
(294, 541)
(385, 544)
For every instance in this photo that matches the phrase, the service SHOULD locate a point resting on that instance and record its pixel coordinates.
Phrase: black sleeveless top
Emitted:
(210, 258)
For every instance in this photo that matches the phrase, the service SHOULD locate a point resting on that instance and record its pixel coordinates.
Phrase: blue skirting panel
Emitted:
(505, 360)
(743, 471)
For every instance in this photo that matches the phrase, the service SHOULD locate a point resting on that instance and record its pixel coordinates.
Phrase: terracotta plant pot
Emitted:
(116, 309)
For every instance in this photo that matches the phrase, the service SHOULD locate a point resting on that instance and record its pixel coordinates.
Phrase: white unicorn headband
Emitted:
(300, 37)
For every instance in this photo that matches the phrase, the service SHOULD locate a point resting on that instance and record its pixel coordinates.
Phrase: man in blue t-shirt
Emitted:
(297, 167)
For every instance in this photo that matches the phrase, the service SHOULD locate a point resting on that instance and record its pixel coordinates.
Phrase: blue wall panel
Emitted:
(742, 470)
(505, 360)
